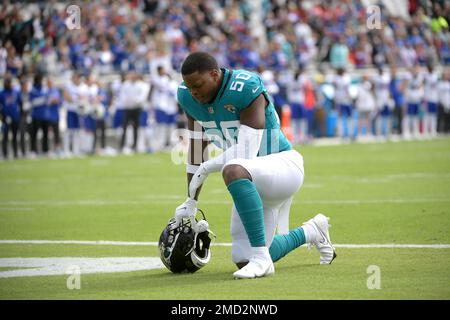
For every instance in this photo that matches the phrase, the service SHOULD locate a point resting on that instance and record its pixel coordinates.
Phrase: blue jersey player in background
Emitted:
(9, 114)
(262, 172)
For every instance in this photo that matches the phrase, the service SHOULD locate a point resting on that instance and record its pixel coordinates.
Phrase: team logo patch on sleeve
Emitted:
(230, 108)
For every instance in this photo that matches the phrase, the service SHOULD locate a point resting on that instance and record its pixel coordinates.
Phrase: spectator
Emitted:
(39, 118)
(414, 99)
(100, 115)
(397, 89)
(3, 59)
(9, 114)
(444, 102)
(271, 85)
(363, 52)
(13, 61)
(296, 98)
(310, 112)
(366, 106)
(73, 109)
(54, 103)
(134, 95)
(383, 103)
(94, 110)
(25, 117)
(117, 105)
(339, 55)
(164, 103)
(431, 93)
(343, 103)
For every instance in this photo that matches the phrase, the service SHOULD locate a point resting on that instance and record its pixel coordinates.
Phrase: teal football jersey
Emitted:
(220, 119)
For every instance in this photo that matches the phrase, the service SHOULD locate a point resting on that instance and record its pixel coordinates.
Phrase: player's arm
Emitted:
(197, 150)
(254, 115)
(196, 156)
(251, 129)
(252, 119)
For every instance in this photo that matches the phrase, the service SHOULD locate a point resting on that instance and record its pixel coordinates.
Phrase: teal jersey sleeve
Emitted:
(182, 96)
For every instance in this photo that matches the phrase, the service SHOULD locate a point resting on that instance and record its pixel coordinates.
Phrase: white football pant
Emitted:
(277, 178)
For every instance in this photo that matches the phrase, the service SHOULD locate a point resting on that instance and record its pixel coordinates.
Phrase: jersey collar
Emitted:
(225, 80)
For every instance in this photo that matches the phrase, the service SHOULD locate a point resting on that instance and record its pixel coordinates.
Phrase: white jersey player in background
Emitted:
(414, 99)
(143, 128)
(366, 106)
(383, 104)
(444, 101)
(71, 140)
(92, 91)
(296, 99)
(343, 103)
(164, 102)
(117, 109)
(431, 81)
(133, 98)
(83, 92)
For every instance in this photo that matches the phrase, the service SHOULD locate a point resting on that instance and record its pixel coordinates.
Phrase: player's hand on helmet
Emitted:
(186, 210)
(197, 180)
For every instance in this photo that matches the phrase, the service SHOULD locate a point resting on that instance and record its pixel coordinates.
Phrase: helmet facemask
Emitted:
(183, 248)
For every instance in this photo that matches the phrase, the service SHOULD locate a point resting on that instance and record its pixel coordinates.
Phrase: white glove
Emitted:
(187, 209)
(201, 226)
(197, 180)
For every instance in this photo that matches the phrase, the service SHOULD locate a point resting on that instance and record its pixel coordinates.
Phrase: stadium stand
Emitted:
(116, 38)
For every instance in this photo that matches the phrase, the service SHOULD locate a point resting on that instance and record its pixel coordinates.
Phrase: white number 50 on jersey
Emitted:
(239, 85)
(223, 137)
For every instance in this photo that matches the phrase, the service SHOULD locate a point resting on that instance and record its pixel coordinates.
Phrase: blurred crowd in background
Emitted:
(110, 85)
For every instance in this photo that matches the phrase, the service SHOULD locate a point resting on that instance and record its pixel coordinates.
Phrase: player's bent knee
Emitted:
(234, 172)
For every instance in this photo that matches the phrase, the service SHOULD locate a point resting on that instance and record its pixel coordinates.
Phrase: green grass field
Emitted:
(386, 193)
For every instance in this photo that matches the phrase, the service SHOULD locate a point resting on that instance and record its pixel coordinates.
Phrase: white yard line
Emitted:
(172, 200)
(32, 267)
(372, 201)
(223, 244)
(393, 245)
(82, 242)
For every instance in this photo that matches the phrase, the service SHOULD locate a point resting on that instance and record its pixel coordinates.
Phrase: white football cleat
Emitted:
(323, 241)
(260, 265)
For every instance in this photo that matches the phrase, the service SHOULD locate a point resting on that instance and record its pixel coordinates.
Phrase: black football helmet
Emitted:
(185, 247)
